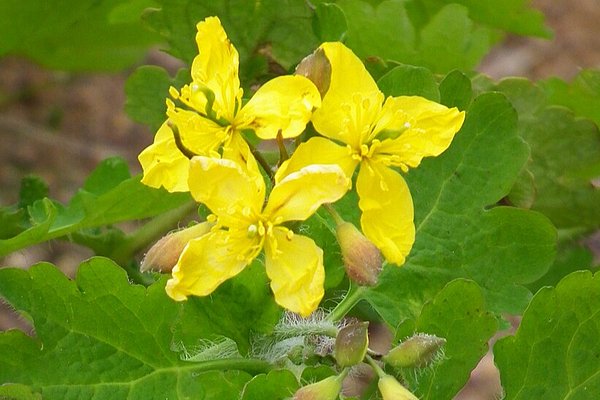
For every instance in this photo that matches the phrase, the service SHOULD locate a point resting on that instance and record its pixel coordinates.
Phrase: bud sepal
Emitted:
(418, 351)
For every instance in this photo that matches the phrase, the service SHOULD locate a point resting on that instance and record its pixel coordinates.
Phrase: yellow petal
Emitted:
(429, 129)
(295, 267)
(226, 189)
(387, 211)
(207, 262)
(216, 67)
(237, 150)
(317, 150)
(350, 83)
(198, 134)
(282, 104)
(300, 194)
(163, 164)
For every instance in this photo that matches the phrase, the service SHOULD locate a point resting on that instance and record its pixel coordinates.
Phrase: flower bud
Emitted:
(351, 344)
(163, 255)
(362, 259)
(327, 389)
(317, 68)
(391, 389)
(418, 351)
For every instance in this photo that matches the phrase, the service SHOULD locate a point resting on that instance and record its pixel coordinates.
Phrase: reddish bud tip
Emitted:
(362, 259)
(163, 255)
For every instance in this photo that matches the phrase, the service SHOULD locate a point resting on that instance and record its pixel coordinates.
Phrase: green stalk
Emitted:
(251, 365)
(354, 295)
(380, 373)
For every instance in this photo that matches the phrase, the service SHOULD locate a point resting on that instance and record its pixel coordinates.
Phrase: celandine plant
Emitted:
(374, 134)
(340, 176)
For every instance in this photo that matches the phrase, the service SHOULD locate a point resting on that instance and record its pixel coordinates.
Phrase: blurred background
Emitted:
(60, 125)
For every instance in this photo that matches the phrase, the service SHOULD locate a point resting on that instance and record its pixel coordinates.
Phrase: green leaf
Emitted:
(455, 90)
(11, 219)
(276, 385)
(33, 188)
(269, 30)
(17, 392)
(394, 31)
(451, 40)
(565, 159)
(554, 354)
(457, 233)
(514, 16)
(100, 337)
(76, 35)
(458, 314)
(204, 317)
(111, 197)
(329, 22)
(582, 95)
(321, 228)
(146, 90)
(571, 257)
(408, 80)
(384, 31)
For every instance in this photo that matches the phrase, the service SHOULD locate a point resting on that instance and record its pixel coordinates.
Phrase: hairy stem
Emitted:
(354, 295)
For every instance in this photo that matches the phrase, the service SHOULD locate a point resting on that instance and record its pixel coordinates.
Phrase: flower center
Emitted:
(365, 151)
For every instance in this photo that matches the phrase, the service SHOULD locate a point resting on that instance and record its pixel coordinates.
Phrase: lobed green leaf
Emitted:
(100, 337)
(458, 314)
(555, 352)
(276, 385)
(146, 90)
(565, 159)
(109, 196)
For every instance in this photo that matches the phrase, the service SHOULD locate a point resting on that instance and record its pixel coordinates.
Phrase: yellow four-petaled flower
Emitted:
(363, 128)
(212, 114)
(235, 193)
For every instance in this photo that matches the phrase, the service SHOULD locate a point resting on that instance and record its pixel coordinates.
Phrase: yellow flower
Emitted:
(235, 193)
(213, 114)
(363, 128)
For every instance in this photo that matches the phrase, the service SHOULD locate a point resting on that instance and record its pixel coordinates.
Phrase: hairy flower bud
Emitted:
(391, 389)
(351, 344)
(163, 255)
(362, 259)
(327, 389)
(417, 351)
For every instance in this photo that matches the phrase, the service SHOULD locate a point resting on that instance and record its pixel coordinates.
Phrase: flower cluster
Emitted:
(202, 148)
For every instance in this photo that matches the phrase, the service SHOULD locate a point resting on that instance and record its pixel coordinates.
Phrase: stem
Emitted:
(336, 216)
(354, 295)
(261, 160)
(150, 232)
(375, 367)
(283, 154)
(251, 365)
